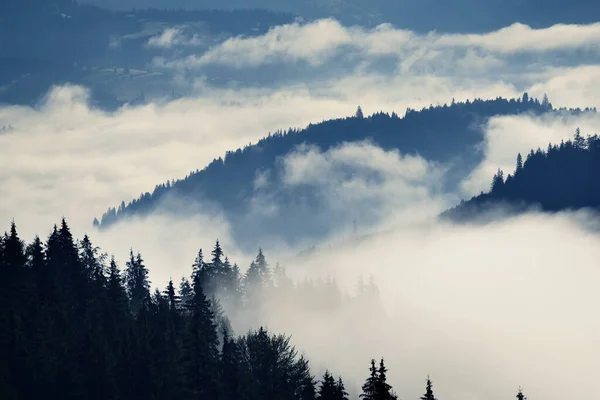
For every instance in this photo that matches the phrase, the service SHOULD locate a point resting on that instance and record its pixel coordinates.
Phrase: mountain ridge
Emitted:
(439, 134)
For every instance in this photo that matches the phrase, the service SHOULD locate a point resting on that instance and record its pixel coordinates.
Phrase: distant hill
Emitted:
(447, 134)
(422, 15)
(49, 42)
(563, 177)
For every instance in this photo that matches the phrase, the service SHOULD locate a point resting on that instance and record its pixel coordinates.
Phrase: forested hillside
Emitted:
(563, 177)
(73, 326)
(440, 134)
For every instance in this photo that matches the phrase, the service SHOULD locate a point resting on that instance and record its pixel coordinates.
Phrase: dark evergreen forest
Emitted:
(74, 326)
(562, 177)
(440, 134)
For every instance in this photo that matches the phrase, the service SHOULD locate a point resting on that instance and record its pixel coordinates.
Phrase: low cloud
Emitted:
(319, 42)
(481, 309)
(174, 37)
(366, 181)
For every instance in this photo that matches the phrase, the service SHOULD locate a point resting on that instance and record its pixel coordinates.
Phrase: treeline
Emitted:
(439, 133)
(563, 177)
(73, 326)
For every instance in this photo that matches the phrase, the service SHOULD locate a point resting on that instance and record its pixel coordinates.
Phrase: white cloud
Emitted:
(174, 37)
(291, 42)
(363, 180)
(482, 309)
(318, 42)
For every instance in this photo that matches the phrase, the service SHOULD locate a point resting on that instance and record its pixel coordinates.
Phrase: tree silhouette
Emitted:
(520, 395)
(369, 388)
(429, 391)
(359, 113)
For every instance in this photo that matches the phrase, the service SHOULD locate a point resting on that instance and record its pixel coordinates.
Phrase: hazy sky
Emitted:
(482, 310)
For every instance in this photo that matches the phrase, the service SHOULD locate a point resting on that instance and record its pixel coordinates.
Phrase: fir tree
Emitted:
(136, 280)
(497, 181)
(359, 113)
(328, 390)
(429, 391)
(258, 275)
(369, 388)
(341, 393)
(383, 391)
(230, 368)
(200, 346)
(185, 293)
(519, 164)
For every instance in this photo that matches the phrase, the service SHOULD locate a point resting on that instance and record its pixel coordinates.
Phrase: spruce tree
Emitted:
(230, 368)
(186, 293)
(369, 388)
(383, 391)
(429, 391)
(328, 390)
(137, 283)
(519, 164)
(258, 276)
(341, 393)
(200, 347)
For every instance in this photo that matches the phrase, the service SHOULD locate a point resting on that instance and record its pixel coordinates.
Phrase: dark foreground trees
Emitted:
(73, 326)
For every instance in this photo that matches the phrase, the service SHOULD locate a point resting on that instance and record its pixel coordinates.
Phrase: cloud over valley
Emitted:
(461, 302)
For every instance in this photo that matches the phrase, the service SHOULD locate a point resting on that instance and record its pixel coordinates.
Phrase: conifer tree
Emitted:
(359, 113)
(497, 181)
(172, 296)
(341, 390)
(258, 276)
(519, 164)
(229, 285)
(136, 280)
(200, 348)
(520, 395)
(578, 140)
(213, 272)
(230, 368)
(92, 263)
(382, 389)
(369, 388)
(36, 263)
(185, 293)
(429, 391)
(328, 390)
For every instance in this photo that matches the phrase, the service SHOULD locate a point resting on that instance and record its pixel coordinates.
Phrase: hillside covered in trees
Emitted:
(563, 177)
(448, 134)
(73, 326)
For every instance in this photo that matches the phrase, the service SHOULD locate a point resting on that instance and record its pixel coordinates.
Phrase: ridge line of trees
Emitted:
(437, 133)
(562, 177)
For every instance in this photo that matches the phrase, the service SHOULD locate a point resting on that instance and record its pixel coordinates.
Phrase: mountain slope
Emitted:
(446, 134)
(564, 177)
